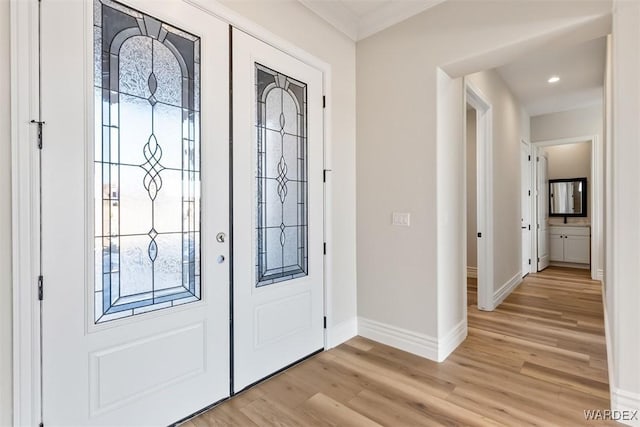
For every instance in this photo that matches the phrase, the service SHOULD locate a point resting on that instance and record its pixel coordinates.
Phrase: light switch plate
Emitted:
(402, 219)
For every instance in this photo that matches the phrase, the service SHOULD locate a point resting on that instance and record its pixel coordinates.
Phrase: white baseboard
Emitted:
(414, 342)
(506, 289)
(472, 272)
(600, 275)
(343, 331)
(403, 339)
(608, 339)
(452, 340)
(627, 403)
(570, 265)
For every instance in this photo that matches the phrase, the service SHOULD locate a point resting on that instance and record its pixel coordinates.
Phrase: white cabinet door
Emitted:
(278, 210)
(576, 249)
(556, 247)
(135, 188)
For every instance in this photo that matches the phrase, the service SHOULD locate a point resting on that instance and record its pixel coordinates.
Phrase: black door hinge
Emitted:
(479, 234)
(41, 425)
(324, 248)
(529, 157)
(529, 227)
(40, 288)
(538, 259)
(529, 193)
(39, 124)
(324, 175)
(537, 158)
(529, 261)
(325, 322)
(324, 101)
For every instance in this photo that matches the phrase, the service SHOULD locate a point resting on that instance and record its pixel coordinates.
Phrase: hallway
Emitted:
(539, 359)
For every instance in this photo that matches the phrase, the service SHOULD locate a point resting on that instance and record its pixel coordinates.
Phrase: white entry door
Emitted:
(525, 206)
(543, 212)
(278, 210)
(135, 188)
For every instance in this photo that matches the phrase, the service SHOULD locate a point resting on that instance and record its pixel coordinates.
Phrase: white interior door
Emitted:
(525, 206)
(278, 210)
(543, 211)
(135, 326)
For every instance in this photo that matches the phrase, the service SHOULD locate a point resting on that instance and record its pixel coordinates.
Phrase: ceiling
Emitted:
(359, 19)
(580, 68)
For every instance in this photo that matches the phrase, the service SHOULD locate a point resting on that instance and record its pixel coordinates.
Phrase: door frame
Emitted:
(484, 192)
(25, 187)
(596, 194)
(532, 198)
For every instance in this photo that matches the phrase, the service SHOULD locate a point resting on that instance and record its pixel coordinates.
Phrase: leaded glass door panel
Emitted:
(135, 188)
(278, 210)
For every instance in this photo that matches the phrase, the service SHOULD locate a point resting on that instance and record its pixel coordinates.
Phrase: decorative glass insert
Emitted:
(147, 163)
(282, 228)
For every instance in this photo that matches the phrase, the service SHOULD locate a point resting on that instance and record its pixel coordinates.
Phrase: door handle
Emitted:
(524, 227)
(220, 237)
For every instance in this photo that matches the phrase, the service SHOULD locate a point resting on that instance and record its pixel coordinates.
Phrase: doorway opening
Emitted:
(479, 195)
(569, 207)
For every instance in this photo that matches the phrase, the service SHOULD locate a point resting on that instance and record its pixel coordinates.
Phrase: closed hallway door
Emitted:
(135, 188)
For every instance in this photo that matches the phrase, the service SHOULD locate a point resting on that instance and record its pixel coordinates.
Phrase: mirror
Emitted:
(568, 197)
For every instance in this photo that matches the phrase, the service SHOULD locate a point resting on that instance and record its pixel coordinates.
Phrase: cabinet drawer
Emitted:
(570, 231)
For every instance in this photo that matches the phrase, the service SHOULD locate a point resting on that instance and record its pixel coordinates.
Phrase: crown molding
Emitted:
(391, 14)
(336, 14)
(357, 28)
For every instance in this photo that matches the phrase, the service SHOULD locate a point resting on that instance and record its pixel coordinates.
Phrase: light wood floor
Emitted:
(539, 359)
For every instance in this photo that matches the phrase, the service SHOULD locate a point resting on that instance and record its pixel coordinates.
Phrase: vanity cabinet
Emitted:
(570, 244)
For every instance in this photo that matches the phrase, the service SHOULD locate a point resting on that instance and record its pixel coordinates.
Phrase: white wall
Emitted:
(5, 221)
(297, 24)
(451, 238)
(568, 124)
(510, 125)
(623, 250)
(399, 276)
(472, 219)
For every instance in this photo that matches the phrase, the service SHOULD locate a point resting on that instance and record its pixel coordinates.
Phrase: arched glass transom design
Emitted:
(281, 178)
(147, 163)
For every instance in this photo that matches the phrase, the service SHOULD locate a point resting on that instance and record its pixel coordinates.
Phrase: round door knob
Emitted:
(220, 259)
(220, 237)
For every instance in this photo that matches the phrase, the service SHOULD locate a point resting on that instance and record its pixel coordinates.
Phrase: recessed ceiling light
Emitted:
(554, 79)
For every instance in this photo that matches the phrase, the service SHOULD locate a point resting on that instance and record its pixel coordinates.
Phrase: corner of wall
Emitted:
(451, 340)
(432, 348)
(505, 290)
(403, 339)
(626, 406)
(342, 332)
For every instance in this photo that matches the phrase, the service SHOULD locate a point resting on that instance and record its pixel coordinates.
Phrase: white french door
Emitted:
(134, 189)
(277, 209)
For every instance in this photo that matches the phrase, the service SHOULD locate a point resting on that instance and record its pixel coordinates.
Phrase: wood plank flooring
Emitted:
(539, 359)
